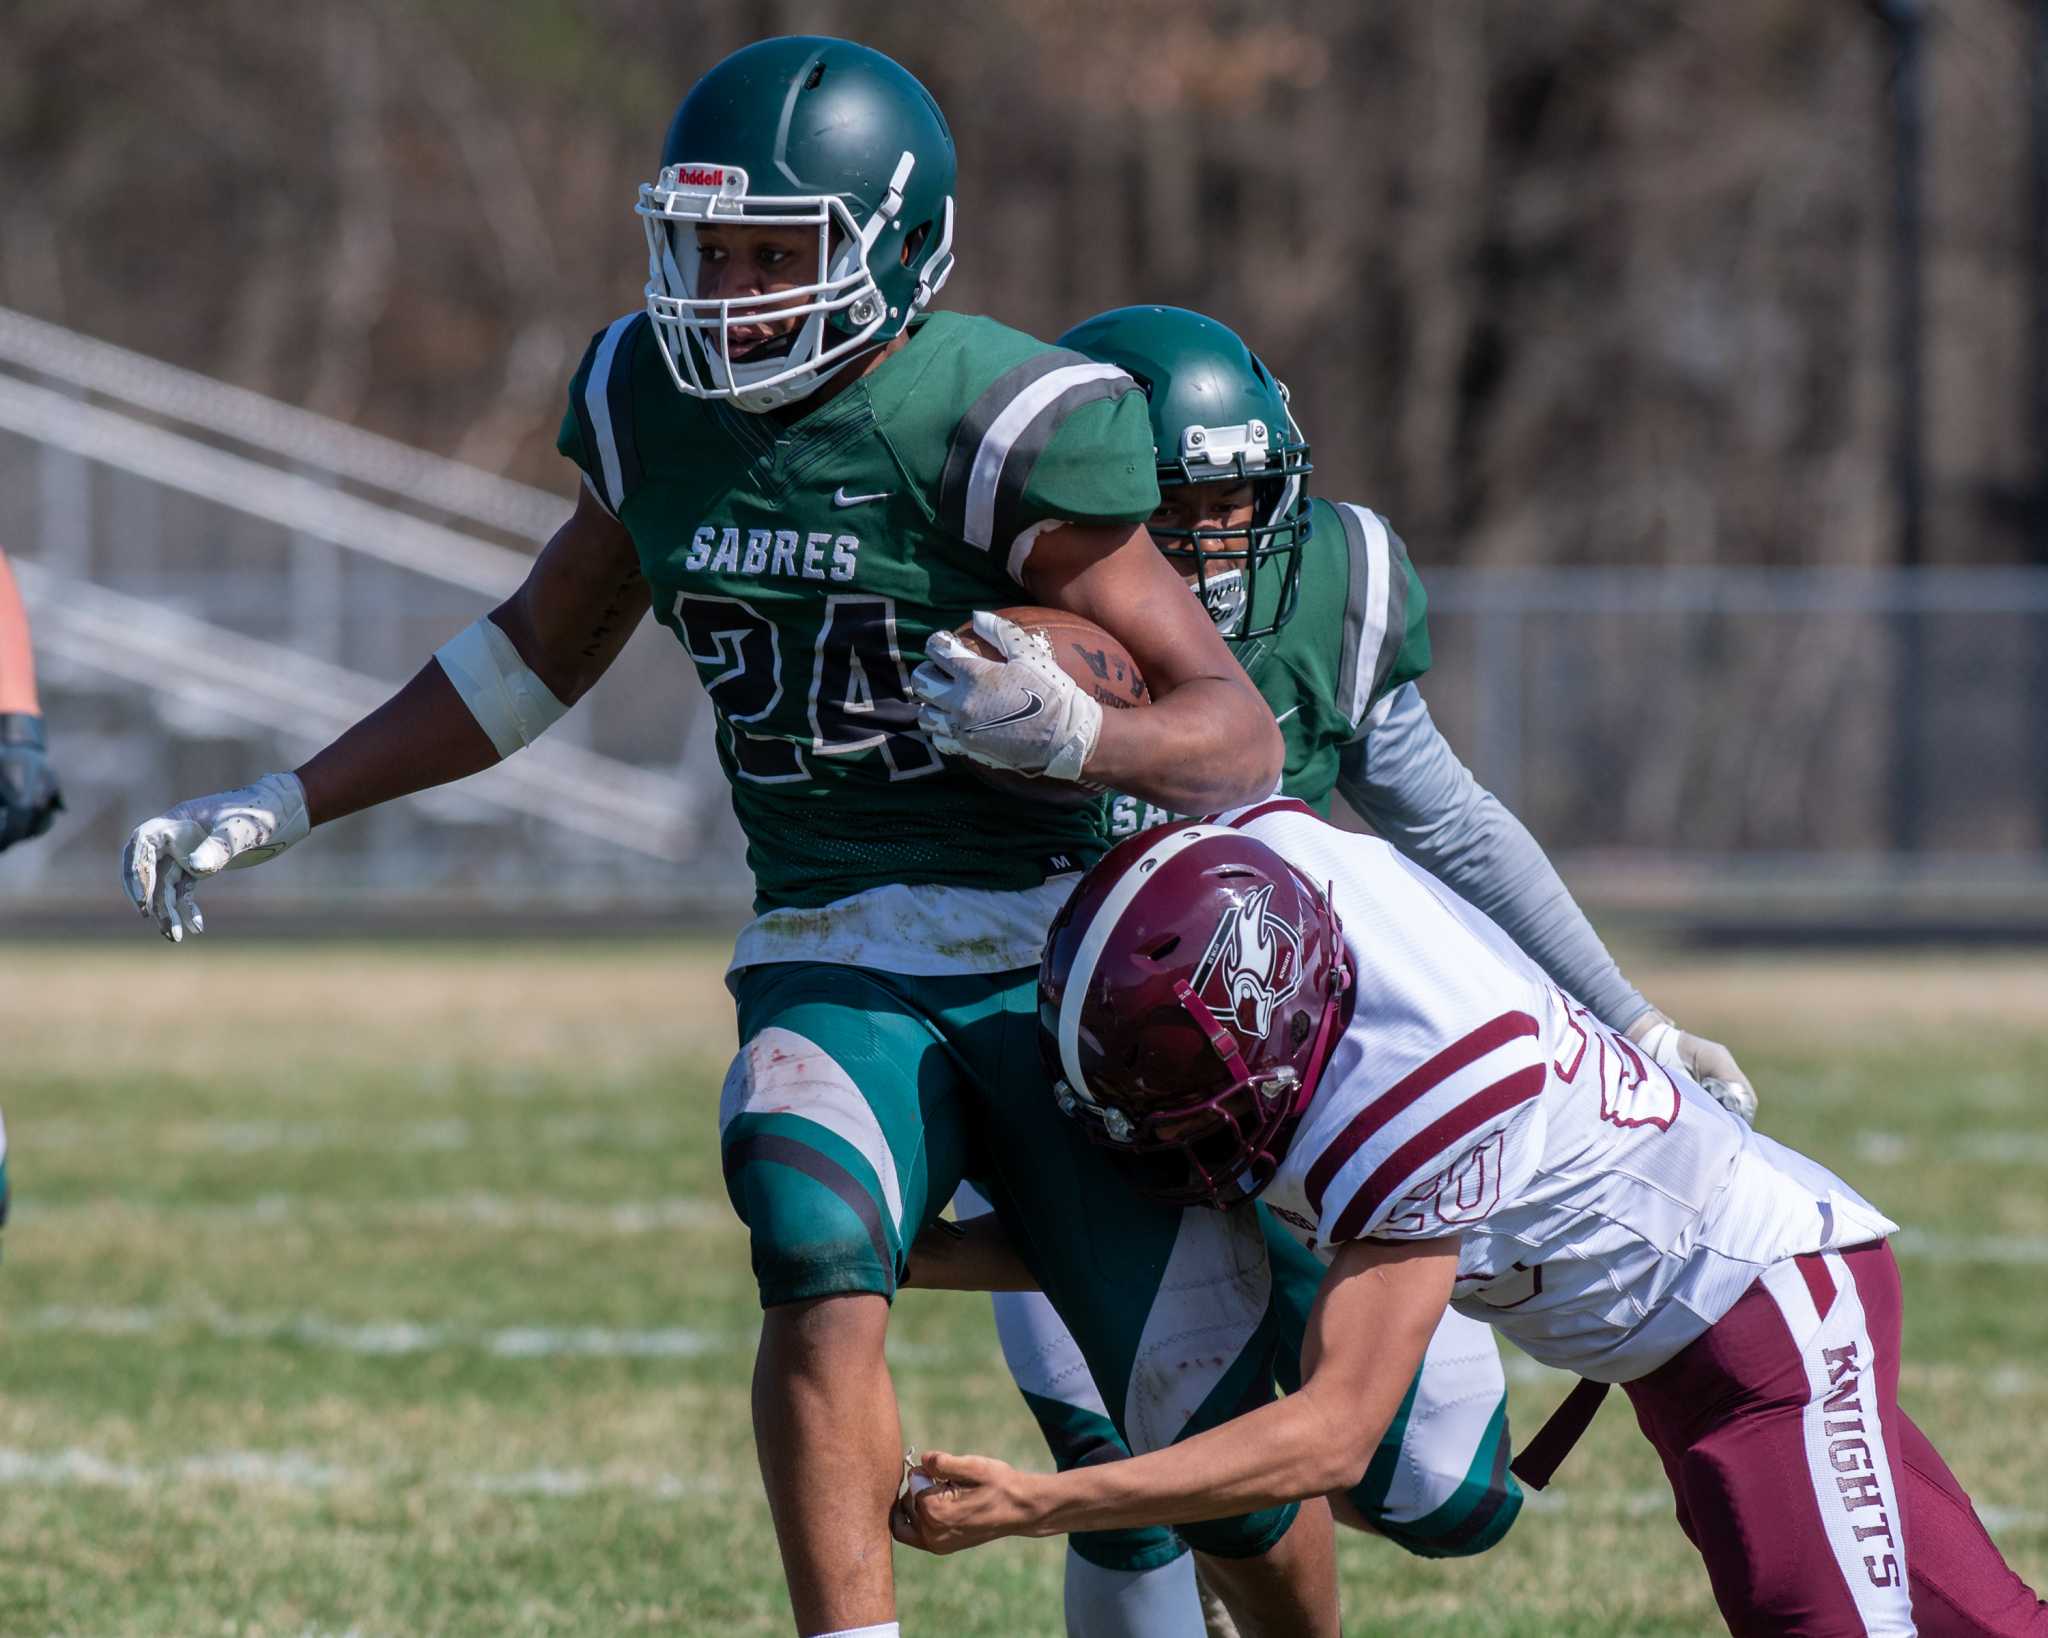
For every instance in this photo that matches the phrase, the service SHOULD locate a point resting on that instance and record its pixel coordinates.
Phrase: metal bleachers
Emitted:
(219, 583)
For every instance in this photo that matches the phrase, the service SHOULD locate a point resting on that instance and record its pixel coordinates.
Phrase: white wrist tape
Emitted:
(510, 703)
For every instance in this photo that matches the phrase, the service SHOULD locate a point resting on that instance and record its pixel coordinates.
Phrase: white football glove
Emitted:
(167, 857)
(1708, 1062)
(1021, 712)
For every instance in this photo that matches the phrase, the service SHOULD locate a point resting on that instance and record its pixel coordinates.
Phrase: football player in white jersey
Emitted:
(1268, 1007)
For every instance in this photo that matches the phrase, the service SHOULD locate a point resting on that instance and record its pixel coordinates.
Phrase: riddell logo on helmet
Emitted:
(700, 176)
(1253, 963)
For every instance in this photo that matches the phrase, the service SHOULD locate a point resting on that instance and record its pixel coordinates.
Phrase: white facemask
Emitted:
(835, 317)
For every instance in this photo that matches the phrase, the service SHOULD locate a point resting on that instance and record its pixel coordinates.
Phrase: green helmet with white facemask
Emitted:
(793, 133)
(1218, 416)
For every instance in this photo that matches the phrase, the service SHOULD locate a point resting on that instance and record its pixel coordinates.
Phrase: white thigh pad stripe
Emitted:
(1207, 1307)
(1462, 1384)
(780, 1072)
(1795, 1302)
(1043, 1357)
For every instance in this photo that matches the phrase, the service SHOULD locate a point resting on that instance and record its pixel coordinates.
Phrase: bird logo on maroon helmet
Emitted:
(1252, 964)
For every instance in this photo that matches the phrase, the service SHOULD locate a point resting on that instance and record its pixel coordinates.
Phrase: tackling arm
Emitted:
(1370, 1327)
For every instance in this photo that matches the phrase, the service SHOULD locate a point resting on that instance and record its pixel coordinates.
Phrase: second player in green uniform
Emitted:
(1323, 607)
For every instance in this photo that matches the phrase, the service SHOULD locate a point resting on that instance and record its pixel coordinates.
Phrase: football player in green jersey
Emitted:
(810, 478)
(1325, 611)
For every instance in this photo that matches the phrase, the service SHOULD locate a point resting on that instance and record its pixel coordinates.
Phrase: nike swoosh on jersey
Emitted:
(841, 498)
(1284, 715)
(1023, 713)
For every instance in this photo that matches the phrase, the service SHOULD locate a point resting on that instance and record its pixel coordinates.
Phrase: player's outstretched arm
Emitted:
(1371, 1325)
(1404, 779)
(1208, 741)
(489, 691)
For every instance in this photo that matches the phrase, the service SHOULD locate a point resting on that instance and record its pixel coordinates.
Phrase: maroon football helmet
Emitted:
(1190, 993)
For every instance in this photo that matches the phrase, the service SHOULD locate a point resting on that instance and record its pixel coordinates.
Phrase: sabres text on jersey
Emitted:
(803, 564)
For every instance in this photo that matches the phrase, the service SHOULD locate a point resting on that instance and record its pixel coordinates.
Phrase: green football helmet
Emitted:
(795, 132)
(1218, 416)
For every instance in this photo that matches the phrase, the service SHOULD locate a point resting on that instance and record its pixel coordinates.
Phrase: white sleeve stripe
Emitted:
(1379, 589)
(1003, 433)
(597, 494)
(597, 400)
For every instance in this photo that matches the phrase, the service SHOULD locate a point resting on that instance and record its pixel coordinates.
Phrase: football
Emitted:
(1094, 659)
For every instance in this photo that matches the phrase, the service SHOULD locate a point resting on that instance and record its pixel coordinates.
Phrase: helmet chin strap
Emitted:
(1327, 1032)
(1224, 1044)
(1221, 1041)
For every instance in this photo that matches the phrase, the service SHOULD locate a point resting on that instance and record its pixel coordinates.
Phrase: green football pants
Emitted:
(1438, 1485)
(858, 1102)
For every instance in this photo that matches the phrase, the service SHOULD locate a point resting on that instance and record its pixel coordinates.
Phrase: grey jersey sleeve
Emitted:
(1404, 780)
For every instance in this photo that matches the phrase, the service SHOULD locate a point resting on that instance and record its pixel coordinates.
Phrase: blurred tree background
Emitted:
(1578, 282)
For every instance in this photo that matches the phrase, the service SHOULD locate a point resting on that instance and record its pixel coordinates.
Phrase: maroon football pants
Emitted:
(1818, 1505)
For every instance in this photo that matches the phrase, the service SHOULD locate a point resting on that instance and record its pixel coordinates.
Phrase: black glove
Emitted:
(29, 798)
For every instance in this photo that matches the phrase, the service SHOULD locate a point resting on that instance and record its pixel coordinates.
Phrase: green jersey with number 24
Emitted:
(803, 564)
(1359, 630)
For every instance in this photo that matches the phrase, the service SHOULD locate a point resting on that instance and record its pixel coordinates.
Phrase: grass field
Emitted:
(389, 1290)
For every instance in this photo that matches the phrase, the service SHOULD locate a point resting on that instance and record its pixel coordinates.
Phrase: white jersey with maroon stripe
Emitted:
(1609, 1211)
